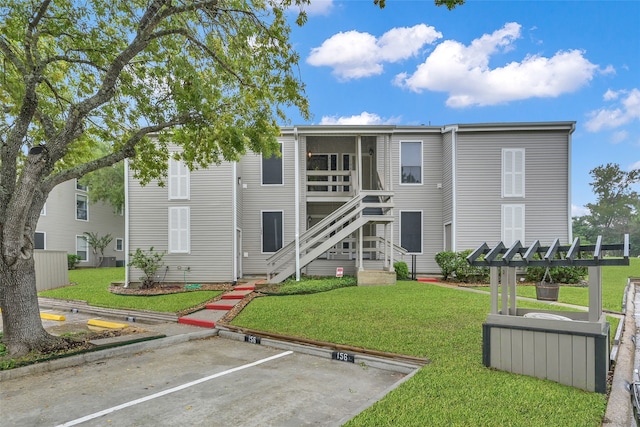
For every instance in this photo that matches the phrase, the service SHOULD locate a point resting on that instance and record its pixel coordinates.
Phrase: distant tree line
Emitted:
(616, 210)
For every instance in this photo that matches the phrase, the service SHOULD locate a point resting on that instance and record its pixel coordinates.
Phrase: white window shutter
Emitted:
(513, 172)
(178, 180)
(512, 224)
(179, 230)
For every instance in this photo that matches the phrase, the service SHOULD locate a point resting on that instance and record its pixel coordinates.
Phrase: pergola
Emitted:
(568, 347)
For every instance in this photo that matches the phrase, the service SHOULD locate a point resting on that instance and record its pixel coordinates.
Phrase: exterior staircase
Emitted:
(374, 206)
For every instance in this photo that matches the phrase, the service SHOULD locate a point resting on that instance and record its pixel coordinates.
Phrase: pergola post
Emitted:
(595, 293)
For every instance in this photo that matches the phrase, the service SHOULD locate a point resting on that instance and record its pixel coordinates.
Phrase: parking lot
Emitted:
(213, 382)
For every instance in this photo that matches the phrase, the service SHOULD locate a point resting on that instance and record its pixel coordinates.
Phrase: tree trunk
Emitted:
(22, 327)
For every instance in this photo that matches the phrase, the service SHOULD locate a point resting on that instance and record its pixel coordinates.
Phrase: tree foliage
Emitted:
(81, 76)
(617, 208)
(98, 243)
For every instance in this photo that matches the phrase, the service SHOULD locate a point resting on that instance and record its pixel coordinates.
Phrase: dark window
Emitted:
(411, 231)
(411, 162)
(272, 169)
(271, 231)
(82, 207)
(39, 240)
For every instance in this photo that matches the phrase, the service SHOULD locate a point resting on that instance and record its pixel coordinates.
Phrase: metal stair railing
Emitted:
(333, 226)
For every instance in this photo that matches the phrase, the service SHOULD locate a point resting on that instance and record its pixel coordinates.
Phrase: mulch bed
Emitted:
(169, 288)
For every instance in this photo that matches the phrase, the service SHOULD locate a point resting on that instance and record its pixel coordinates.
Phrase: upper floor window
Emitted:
(81, 187)
(44, 210)
(178, 180)
(82, 207)
(272, 168)
(39, 240)
(411, 162)
(513, 172)
(119, 244)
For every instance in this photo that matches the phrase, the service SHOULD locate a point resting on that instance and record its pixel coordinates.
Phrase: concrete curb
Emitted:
(94, 356)
(362, 359)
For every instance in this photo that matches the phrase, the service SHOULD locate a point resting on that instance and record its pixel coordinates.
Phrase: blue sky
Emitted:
(486, 61)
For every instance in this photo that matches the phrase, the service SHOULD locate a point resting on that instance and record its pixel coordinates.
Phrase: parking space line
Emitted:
(171, 390)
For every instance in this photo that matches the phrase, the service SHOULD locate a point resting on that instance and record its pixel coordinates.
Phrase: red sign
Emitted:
(339, 272)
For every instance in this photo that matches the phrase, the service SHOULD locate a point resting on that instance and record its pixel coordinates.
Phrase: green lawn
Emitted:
(92, 286)
(443, 325)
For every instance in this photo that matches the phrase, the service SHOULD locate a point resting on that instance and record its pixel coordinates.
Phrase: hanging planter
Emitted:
(547, 290)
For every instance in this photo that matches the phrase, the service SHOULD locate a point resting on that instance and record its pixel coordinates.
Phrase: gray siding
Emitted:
(211, 226)
(257, 198)
(479, 194)
(426, 197)
(61, 226)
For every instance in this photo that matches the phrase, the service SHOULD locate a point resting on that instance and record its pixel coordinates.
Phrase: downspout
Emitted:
(126, 223)
(297, 200)
(569, 155)
(454, 212)
(234, 230)
(359, 189)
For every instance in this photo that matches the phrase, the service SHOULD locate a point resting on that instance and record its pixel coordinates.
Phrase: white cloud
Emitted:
(354, 55)
(634, 166)
(319, 7)
(579, 211)
(464, 72)
(625, 111)
(620, 136)
(363, 118)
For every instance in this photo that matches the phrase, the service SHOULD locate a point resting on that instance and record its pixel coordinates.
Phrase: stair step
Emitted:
(427, 280)
(219, 306)
(235, 294)
(197, 322)
(245, 288)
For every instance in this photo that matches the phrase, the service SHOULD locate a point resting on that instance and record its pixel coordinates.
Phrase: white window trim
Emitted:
(43, 212)
(45, 238)
(504, 208)
(421, 164)
(186, 176)
(171, 250)
(514, 175)
(421, 229)
(121, 246)
(262, 159)
(80, 187)
(262, 229)
(85, 239)
(76, 207)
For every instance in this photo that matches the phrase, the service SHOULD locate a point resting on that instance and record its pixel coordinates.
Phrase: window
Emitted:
(82, 207)
(271, 231)
(411, 231)
(513, 172)
(178, 180)
(39, 240)
(179, 230)
(82, 248)
(43, 212)
(80, 186)
(272, 169)
(512, 224)
(411, 162)
(119, 244)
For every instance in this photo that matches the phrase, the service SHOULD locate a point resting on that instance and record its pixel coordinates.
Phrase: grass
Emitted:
(309, 285)
(443, 325)
(92, 286)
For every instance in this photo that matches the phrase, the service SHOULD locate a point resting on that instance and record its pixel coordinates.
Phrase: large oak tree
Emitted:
(79, 76)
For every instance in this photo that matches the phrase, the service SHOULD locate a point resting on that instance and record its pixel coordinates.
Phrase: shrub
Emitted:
(149, 262)
(455, 265)
(569, 275)
(72, 261)
(402, 270)
(447, 261)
